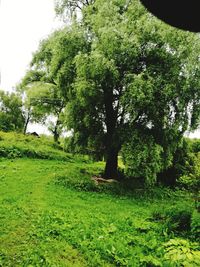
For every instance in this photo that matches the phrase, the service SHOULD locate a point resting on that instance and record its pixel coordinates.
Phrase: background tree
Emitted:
(71, 8)
(11, 114)
(43, 100)
(49, 80)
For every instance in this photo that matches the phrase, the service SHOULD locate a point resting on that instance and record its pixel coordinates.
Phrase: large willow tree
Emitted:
(131, 75)
(140, 75)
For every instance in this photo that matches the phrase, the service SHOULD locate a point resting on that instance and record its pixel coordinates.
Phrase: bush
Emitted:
(195, 225)
(175, 219)
(179, 219)
(195, 145)
(142, 158)
(182, 165)
(189, 182)
(189, 171)
(180, 252)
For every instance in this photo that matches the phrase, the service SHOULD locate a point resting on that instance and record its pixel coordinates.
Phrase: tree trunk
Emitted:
(111, 140)
(111, 164)
(56, 135)
(26, 123)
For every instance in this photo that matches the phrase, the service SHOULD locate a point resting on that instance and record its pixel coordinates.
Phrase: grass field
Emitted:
(49, 217)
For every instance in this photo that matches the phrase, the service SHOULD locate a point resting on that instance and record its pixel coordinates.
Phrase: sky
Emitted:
(23, 23)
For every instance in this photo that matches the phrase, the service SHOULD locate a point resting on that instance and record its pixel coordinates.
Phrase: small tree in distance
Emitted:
(11, 113)
(41, 101)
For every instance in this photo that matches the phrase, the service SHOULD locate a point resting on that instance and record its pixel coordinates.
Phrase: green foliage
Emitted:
(179, 219)
(195, 145)
(50, 77)
(45, 224)
(43, 99)
(184, 159)
(186, 166)
(129, 80)
(13, 145)
(179, 252)
(181, 167)
(71, 8)
(190, 182)
(121, 71)
(142, 158)
(78, 178)
(176, 219)
(11, 114)
(148, 161)
(195, 224)
(55, 57)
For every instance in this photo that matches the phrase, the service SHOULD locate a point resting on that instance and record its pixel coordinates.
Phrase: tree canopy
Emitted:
(49, 81)
(125, 76)
(11, 113)
(140, 77)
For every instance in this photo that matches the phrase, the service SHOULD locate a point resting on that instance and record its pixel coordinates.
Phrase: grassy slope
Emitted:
(15, 145)
(52, 214)
(45, 224)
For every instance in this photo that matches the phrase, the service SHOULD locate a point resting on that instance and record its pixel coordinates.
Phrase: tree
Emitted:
(11, 114)
(139, 76)
(49, 81)
(43, 100)
(70, 8)
(31, 114)
(123, 75)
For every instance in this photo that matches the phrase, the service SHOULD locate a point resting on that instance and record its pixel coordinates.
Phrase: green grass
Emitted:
(51, 214)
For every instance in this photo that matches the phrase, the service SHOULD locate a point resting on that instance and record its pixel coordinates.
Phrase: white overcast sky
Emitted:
(23, 23)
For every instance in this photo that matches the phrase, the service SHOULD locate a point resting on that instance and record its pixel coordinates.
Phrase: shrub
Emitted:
(175, 219)
(195, 145)
(195, 225)
(188, 182)
(142, 158)
(180, 252)
(179, 220)
(182, 165)
(190, 177)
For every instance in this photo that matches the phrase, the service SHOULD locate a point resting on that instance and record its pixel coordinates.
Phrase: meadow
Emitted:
(53, 214)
